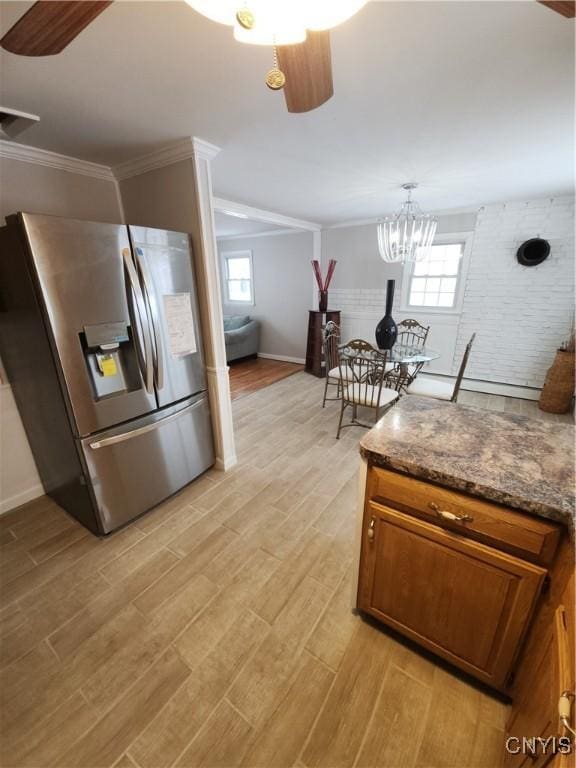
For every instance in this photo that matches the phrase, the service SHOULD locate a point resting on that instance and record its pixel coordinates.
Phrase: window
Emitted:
(238, 283)
(434, 281)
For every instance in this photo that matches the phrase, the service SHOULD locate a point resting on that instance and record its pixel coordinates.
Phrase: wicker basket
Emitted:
(558, 389)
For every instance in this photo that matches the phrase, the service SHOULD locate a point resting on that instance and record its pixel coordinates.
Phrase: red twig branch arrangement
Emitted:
(323, 285)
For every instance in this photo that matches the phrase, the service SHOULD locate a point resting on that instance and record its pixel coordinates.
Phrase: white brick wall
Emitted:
(520, 314)
(362, 300)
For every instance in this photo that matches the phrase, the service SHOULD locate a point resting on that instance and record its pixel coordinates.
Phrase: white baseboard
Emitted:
(506, 390)
(492, 387)
(21, 498)
(282, 358)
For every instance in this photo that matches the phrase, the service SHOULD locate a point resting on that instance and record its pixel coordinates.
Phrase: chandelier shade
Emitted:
(277, 22)
(408, 234)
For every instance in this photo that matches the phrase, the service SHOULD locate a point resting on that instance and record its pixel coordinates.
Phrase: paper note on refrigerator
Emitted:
(180, 324)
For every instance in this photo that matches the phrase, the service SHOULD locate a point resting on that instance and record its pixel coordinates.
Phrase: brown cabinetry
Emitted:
(314, 349)
(534, 722)
(461, 599)
(530, 538)
(459, 575)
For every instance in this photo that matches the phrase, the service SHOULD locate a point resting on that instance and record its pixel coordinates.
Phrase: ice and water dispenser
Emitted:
(110, 355)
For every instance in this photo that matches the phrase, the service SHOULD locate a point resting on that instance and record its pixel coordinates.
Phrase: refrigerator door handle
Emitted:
(145, 364)
(120, 438)
(157, 354)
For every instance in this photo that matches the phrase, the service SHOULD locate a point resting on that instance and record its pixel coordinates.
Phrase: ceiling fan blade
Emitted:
(565, 7)
(50, 25)
(308, 71)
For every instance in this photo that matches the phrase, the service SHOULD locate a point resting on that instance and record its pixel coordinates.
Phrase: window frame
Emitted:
(465, 239)
(226, 256)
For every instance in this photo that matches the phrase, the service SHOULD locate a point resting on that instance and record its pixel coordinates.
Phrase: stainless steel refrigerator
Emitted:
(100, 337)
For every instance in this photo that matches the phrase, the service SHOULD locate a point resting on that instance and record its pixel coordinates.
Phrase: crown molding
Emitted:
(14, 151)
(173, 153)
(204, 148)
(184, 149)
(259, 214)
(265, 233)
(377, 219)
(353, 223)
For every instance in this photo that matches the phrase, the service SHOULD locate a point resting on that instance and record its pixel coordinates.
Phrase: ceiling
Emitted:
(474, 100)
(228, 225)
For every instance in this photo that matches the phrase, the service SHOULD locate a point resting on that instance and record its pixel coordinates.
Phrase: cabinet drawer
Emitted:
(522, 534)
(467, 602)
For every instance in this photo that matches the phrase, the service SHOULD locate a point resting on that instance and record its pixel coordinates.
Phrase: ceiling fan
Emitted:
(303, 69)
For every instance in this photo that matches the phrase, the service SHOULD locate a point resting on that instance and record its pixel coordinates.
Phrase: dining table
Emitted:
(410, 359)
(407, 359)
(407, 354)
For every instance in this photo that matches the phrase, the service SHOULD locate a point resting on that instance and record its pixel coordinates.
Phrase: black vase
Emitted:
(386, 330)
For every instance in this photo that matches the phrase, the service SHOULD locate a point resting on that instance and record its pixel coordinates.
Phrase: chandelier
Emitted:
(277, 22)
(408, 235)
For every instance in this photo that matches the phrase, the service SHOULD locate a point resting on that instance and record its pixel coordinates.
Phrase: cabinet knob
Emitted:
(371, 529)
(565, 710)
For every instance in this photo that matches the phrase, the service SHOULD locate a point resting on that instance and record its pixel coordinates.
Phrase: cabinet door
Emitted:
(463, 600)
(535, 715)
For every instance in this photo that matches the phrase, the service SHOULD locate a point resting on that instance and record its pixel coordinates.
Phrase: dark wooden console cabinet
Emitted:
(314, 351)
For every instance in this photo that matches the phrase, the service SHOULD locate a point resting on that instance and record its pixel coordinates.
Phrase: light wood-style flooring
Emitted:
(512, 405)
(217, 631)
(249, 376)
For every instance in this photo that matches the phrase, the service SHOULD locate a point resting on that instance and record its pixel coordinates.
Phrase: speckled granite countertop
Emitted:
(514, 460)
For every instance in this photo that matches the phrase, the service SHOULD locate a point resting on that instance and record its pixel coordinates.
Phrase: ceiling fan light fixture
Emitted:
(260, 34)
(277, 22)
(408, 234)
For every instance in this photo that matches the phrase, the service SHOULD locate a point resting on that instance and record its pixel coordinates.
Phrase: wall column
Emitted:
(210, 298)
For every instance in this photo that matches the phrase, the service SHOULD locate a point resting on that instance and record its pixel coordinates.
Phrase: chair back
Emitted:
(411, 333)
(463, 365)
(362, 372)
(331, 342)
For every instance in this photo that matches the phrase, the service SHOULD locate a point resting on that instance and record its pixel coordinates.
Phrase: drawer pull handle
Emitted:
(564, 711)
(371, 529)
(445, 515)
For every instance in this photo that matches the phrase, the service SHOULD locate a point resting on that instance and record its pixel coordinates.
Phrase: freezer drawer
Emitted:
(134, 467)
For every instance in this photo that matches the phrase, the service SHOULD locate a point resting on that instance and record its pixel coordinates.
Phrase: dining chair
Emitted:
(412, 333)
(363, 381)
(442, 390)
(331, 342)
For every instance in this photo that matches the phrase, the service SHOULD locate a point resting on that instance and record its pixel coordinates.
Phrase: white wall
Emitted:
(40, 189)
(520, 315)
(282, 290)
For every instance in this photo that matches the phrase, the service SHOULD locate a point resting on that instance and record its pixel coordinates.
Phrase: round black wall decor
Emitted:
(533, 252)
